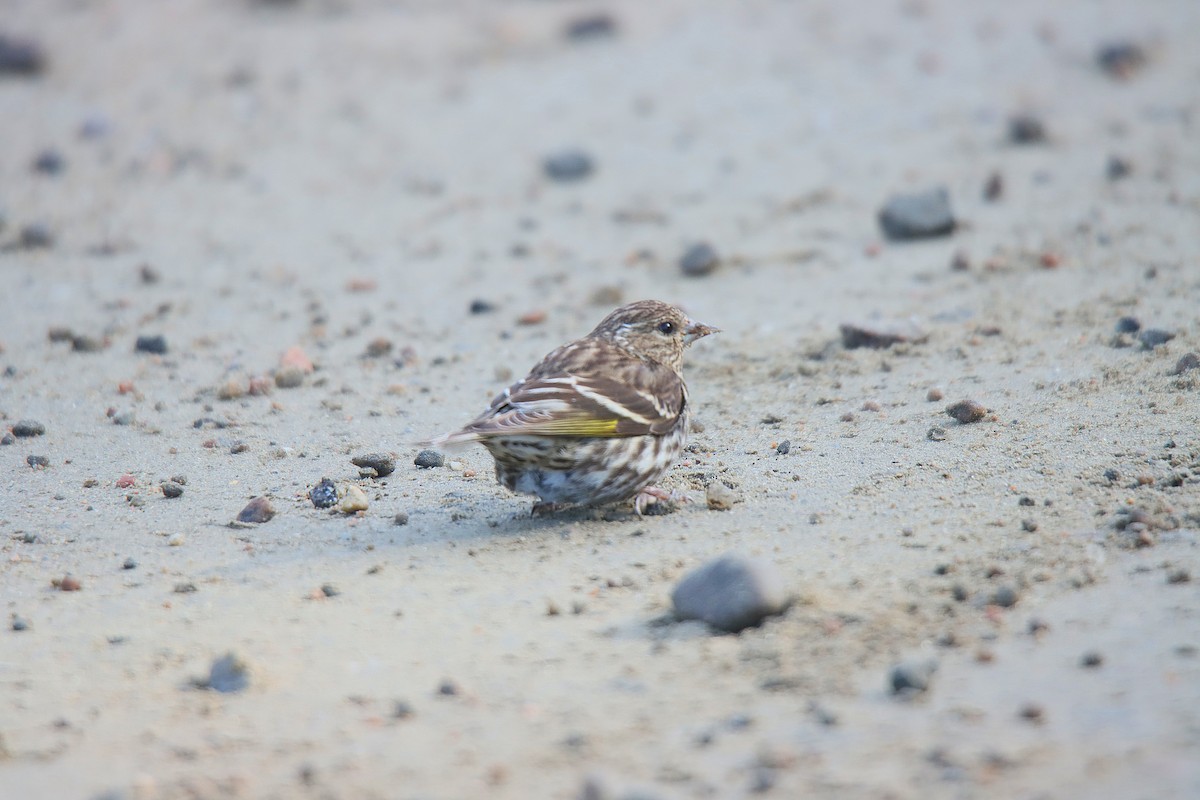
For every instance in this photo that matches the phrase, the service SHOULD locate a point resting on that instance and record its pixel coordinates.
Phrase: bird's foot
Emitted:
(654, 494)
(542, 508)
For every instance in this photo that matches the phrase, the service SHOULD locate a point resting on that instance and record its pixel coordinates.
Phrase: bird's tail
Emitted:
(458, 440)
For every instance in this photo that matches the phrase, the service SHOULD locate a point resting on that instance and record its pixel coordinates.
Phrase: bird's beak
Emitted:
(697, 330)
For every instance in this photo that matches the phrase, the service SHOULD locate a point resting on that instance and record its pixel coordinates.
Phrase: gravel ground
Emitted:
(250, 246)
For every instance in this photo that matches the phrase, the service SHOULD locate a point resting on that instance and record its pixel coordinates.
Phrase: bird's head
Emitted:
(653, 330)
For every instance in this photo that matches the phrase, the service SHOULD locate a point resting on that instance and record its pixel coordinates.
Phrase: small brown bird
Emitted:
(598, 420)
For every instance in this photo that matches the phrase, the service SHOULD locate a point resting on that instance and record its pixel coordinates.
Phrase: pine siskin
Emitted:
(598, 420)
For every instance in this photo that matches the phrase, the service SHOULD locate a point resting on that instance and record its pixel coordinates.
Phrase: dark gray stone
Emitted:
(568, 165)
(228, 674)
(428, 459)
(918, 215)
(731, 592)
(699, 260)
(382, 463)
(151, 344)
(324, 494)
(27, 428)
(912, 677)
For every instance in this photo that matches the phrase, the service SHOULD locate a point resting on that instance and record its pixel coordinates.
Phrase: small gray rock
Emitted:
(1129, 325)
(1154, 337)
(731, 592)
(382, 463)
(36, 235)
(699, 259)
(918, 215)
(1005, 597)
(172, 489)
(151, 344)
(289, 378)
(27, 428)
(912, 677)
(428, 459)
(1188, 361)
(568, 165)
(228, 674)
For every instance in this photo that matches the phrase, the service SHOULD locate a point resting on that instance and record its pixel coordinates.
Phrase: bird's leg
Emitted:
(653, 494)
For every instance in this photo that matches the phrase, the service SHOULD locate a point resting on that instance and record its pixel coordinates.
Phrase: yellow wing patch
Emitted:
(580, 426)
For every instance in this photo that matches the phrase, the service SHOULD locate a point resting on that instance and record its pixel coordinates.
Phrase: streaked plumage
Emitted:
(598, 420)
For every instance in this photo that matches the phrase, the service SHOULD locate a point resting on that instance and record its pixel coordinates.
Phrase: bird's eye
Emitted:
(666, 327)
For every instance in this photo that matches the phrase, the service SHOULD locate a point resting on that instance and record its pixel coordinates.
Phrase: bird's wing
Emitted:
(586, 388)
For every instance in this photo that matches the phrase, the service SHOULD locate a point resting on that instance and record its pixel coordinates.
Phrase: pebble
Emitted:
(1029, 525)
(49, 162)
(130, 563)
(731, 592)
(783, 448)
(591, 27)
(966, 411)
(156, 344)
(912, 677)
(401, 518)
(27, 428)
(427, 459)
(69, 584)
(19, 56)
(353, 501)
(1118, 168)
(855, 336)
(720, 497)
(1026, 129)
(228, 674)
(36, 235)
(380, 464)
(29, 537)
(1091, 660)
(19, 623)
(1153, 337)
(379, 347)
(289, 377)
(238, 447)
(257, 510)
(917, 215)
(699, 259)
(936, 433)
(1121, 60)
(481, 307)
(934, 395)
(82, 343)
(1005, 597)
(448, 688)
(993, 187)
(1179, 575)
(402, 710)
(171, 489)
(186, 588)
(1129, 325)
(126, 417)
(324, 494)
(568, 165)
(329, 590)
(1033, 712)
(149, 275)
(7, 438)
(1188, 361)
(37, 462)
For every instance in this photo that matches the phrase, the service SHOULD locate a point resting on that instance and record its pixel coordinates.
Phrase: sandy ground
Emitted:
(327, 174)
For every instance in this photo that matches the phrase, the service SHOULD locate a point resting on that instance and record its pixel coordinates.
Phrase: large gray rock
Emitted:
(918, 215)
(731, 592)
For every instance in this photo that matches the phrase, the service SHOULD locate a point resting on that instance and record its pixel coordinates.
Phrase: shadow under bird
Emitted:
(599, 420)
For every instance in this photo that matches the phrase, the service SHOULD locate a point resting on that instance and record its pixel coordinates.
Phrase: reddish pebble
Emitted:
(1050, 260)
(532, 318)
(934, 394)
(124, 387)
(69, 584)
(125, 481)
(260, 385)
(295, 356)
